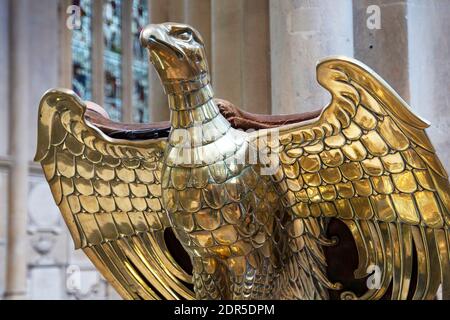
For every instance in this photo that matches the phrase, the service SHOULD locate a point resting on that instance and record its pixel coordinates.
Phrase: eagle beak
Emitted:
(146, 33)
(155, 38)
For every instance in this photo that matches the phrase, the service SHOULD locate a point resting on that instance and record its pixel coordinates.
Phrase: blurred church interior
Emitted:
(262, 56)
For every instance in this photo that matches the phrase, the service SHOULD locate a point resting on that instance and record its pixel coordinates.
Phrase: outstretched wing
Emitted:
(368, 162)
(108, 192)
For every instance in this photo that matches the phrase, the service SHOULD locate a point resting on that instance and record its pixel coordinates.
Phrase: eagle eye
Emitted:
(185, 35)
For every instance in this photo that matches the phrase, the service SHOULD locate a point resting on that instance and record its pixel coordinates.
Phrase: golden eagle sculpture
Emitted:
(256, 228)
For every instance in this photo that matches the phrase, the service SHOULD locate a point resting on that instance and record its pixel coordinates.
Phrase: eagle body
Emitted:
(218, 205)
(226, 214)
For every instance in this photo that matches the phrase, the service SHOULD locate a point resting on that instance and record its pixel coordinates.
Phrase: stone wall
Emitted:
(37, 259)
(4, 138)
(302, 33)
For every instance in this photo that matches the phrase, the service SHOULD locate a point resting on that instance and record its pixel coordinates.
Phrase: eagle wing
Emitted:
(109, 193)
(367, 161)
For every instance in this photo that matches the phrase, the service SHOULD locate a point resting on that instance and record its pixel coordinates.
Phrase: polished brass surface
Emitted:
(366, 160)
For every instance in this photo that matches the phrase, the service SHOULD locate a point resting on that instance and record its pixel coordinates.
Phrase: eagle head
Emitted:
(176, 51)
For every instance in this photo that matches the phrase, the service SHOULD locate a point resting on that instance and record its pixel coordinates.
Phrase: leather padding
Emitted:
(238, 118)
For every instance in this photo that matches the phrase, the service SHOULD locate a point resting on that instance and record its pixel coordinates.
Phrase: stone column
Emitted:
(240, 53)
(98, 71)
(227, 39)
(127, 63)
(197, 13)
(4, 78)
(159, 109)
(301, 33)
(64, 47)
(429, 69)
(4, 138)
(176, 11)
(255, 62)
(16, 281)
(385, 50)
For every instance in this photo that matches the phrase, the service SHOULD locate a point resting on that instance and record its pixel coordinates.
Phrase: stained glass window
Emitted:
(113, 55)
(140, 63)
(82, 52)
(112, 34)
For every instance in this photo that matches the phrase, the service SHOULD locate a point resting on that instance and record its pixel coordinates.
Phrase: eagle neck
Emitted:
(189, 108)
